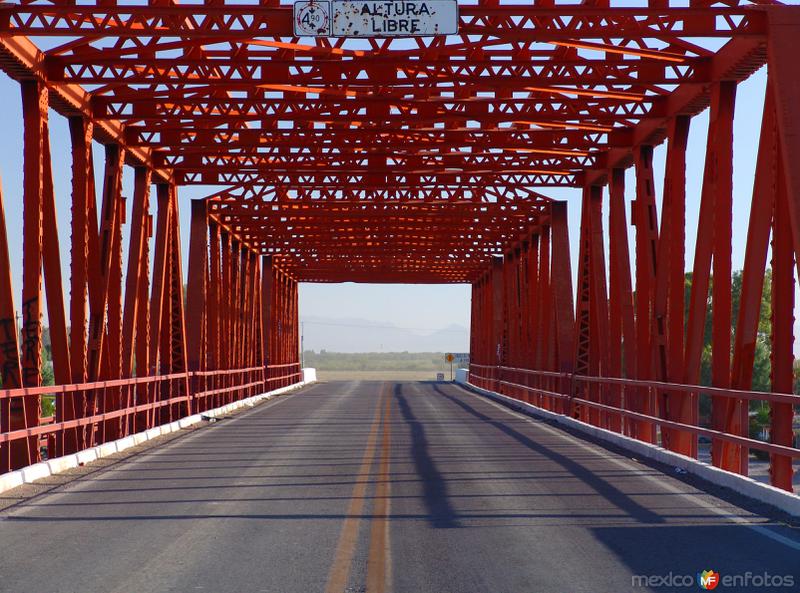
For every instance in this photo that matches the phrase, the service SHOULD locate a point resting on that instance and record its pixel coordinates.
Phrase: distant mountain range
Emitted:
(361, 335)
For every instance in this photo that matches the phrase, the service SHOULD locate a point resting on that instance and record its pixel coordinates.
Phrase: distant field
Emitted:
(378, 375)
(377, 366)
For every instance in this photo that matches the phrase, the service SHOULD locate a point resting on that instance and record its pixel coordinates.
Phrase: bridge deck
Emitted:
(293, 497)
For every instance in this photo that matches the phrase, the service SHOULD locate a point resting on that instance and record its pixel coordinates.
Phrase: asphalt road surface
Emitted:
(385, 487)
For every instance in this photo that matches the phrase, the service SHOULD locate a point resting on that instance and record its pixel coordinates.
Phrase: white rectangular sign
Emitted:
(460, 357)
(375, 18)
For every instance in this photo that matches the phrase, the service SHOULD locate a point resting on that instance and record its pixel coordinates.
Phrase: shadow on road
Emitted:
(605, 489)
(440, 512)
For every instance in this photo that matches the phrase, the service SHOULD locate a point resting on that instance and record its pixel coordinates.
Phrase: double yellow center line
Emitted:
(378, 565)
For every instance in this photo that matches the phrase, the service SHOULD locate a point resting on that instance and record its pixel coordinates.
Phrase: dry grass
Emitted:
(378, 375)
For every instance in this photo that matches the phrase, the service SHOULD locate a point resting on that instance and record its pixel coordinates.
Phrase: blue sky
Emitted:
(417, 306)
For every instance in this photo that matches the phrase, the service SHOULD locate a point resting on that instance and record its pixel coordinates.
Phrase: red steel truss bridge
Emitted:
(402, 160)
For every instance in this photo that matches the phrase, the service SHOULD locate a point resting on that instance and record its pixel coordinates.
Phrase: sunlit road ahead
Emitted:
(403, 487)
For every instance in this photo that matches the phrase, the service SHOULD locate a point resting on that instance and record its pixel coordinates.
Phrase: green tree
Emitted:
(763, 349)
(761, 366)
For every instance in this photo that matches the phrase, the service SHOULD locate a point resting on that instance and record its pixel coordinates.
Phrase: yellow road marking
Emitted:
(348, 537)
(378, 564)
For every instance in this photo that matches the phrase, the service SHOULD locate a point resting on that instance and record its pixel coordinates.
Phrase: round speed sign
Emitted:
(312, 18)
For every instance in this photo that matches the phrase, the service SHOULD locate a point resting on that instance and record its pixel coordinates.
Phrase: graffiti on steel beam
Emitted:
(31, 340)
(9, 353)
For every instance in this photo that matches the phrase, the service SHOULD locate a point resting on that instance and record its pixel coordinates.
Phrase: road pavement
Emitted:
(386, 487)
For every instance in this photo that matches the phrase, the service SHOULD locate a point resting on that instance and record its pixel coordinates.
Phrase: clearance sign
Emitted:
(372, 18)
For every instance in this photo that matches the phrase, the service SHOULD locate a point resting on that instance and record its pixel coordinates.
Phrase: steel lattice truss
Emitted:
(382, 159)
(404, 160)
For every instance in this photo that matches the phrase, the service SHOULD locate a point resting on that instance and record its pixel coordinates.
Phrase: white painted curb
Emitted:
(37, 471)
(775, 497)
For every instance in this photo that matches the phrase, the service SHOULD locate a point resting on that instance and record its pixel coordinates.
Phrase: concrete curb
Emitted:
(37, 471)
(764, 493)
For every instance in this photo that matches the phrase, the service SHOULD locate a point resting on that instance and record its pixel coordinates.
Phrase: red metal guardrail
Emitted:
(104, 411)
(590, 399)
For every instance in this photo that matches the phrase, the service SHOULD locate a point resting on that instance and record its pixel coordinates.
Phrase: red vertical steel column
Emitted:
(287, 321)
(593, 351)
(247, 324)
(622, 327)
(562, 295)
(134, 277)
(668, 303)
(758, 232)
(295, 345)
(283, 310)
(487, 356)
(197, 299)
(142, 322)
(226, 313)
(112, 368)
(275, 352)
(646, 223)
(196, 289)
(82, 195)
(783, 303)
(235, 303)
(165, 334)
(287, 344)
(214, 307)
(54, 290)
(523, 331)
(701, 272)
(509, 317)
(101, 276)
(267, 326)
(157, 298)
(258, 328)
(476, 350)
(497, 331)
(277, 331)
(599, 295)
(784, 73)
(473, 323)
(583, 357)
(255, 355)
(534, 297)
(245, 305)
(587, 354)
(520, 315)
(83, 203)
(546, 320)
(34, 111)
(477, 354)
(726, 414)
(10, 370)
(177, 319)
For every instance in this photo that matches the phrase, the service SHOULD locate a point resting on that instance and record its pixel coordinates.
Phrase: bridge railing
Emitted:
(90, 414)
(620, 405)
